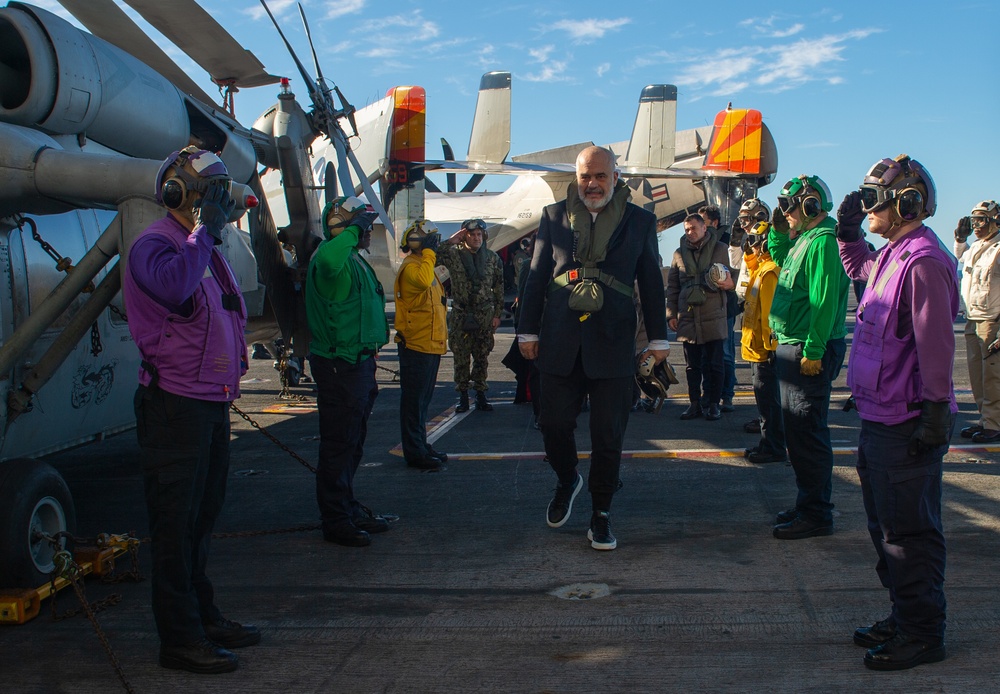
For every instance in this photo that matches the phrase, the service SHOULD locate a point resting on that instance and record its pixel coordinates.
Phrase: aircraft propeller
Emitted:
(449, 155)
(325, 117)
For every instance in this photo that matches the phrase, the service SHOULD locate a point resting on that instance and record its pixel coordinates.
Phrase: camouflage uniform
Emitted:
(480, 302)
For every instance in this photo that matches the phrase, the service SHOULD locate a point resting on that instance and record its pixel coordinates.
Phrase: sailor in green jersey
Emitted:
(345, 305)
(807, 317)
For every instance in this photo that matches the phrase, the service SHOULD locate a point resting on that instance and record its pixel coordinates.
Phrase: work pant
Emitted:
(471, 351)
(805, 403)
(767, 393)
(610, 402)
(417, 376)
(185, 461)
(704, 361)
(729, 360)
(902, 496)
(984, 371)
(346, 396)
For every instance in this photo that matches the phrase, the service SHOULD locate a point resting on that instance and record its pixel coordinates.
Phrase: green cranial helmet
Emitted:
(808, 193)
(338, 213)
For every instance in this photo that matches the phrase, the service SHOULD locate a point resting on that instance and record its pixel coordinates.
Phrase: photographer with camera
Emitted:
(422, 337)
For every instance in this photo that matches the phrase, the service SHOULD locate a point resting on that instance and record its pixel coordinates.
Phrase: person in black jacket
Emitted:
(579, 322)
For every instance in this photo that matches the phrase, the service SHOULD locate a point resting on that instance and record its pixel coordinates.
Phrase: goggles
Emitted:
(200, 185)
(979, 220)
(875, 197)
(744, 220)
(474, 225)
(787, 203)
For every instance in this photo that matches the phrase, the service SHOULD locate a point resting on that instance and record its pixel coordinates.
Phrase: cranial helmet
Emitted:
(717, 273)
(808, 193)
(904, 183)
(338, 213)
(654, 379)
(989, 209)
(474, 224)
(755, 209)
(173, 191)
(416, 231)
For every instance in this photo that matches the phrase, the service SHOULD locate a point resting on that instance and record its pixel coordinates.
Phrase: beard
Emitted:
(595, 205)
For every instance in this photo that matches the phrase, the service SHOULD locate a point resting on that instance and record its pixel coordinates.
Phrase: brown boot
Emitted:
(463, 401)
(482, 403)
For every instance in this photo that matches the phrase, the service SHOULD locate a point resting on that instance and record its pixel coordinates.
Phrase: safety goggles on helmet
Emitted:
(474, 225)
(417, 230)
(978, 220)
(987, 209)
(753, 210)
(654, 379)
(894, 181)
(797, 192)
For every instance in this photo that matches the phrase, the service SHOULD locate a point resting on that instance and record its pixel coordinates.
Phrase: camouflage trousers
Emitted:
(471, 349)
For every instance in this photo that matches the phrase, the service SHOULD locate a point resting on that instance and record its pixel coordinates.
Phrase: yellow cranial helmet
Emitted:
(415, 232)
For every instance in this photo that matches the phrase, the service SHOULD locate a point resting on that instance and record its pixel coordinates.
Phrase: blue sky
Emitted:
(840, 85)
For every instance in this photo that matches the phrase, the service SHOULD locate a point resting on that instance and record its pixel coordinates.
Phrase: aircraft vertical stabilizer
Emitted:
(490, 141)
(652, 144)
(403, 182)
(736, 141)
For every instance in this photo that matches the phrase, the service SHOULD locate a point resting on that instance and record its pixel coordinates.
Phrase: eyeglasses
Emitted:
(474, 225)
(979, 220)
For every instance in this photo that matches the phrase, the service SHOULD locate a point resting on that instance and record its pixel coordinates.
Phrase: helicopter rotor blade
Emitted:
(314, 92)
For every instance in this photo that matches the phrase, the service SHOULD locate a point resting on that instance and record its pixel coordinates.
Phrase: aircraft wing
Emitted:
(510, 168)
(104, 19)
(195, 31)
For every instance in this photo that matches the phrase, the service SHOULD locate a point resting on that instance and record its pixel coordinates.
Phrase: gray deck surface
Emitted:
(460, 595)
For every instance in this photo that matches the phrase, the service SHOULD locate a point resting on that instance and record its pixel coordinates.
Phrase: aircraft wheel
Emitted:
(36, 502)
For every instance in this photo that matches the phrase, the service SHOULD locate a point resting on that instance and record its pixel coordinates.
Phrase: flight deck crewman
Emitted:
(186, 315)
(345, 304)
(900, 374)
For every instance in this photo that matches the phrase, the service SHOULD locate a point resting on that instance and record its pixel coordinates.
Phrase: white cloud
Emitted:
(422, 29)
(553, 72)
(602, 69)
(586, 30)
(790, 31)
(277, 7)
(339, 8)
(540, 55)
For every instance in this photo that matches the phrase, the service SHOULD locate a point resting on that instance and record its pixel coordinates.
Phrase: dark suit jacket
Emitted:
(606, 339)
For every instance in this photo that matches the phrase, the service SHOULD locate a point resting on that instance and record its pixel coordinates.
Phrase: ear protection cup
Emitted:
(909, 204)
(173, 193)
(811, 206)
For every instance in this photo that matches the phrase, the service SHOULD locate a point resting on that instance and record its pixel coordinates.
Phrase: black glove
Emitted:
(963, 230)
(364, 221)
(212, 211)
(737, 236)
(933, 428)
(778, 221)
(431, 241)
(849, 218)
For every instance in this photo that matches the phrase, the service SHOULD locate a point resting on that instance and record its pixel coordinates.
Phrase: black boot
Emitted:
(482, 403)
(463, 401)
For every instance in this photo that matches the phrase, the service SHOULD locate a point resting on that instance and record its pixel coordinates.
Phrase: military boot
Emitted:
(463, 401)
(482, 403)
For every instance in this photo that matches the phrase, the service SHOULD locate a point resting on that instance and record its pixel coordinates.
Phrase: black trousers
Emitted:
(610, 403)
(417, 376)
(704, 361)
(346, 396)
(805, 404)
(902, 495)
(185, 451)
(768, 396)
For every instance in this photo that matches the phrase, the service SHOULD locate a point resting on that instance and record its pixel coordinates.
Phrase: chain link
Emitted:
(70, 570)
(271, 437)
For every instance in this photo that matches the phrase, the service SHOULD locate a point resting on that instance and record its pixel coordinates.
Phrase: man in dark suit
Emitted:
(579, 322)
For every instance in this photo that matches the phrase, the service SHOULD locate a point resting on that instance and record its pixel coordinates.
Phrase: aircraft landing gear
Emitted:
(36, 503)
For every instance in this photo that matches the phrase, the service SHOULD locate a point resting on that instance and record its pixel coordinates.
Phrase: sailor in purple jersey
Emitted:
(186, 315)
(900, 374)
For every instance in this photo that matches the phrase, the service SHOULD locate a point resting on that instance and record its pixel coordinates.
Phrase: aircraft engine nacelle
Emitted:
(64, 81)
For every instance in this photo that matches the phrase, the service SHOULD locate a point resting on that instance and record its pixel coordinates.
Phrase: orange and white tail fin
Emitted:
(403, 183)
(738, 143)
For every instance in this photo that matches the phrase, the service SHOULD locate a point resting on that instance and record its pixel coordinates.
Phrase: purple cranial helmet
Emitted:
(903, 182)
(172, 192)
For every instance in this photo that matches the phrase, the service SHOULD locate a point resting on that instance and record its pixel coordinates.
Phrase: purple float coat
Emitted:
(903, 350)
(174, 288)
